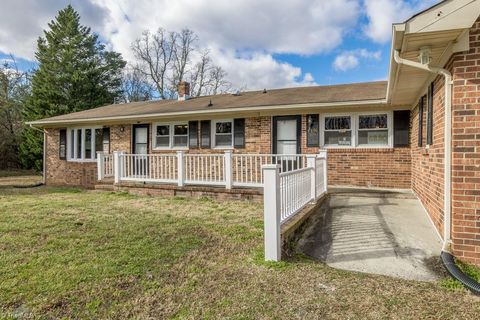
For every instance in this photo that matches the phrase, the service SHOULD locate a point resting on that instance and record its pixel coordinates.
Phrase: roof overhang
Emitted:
(244, 111)
(444, 28)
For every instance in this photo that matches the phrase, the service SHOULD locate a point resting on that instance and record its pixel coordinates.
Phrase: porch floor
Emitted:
(381, 233)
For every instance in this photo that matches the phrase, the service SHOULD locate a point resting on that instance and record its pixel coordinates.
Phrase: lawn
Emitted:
(68, 253)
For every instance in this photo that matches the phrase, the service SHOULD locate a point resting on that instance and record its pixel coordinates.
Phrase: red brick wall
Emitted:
(427, 162)
(389, 168)
(466, 151)
(61, 172)
(365, 167)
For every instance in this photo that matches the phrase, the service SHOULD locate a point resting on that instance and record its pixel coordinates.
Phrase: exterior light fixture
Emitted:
(424, 55)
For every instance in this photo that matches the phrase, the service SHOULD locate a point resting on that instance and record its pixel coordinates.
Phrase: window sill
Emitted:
(223, 148)
(82, 160)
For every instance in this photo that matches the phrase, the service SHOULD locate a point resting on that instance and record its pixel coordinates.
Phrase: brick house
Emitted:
(418, 130)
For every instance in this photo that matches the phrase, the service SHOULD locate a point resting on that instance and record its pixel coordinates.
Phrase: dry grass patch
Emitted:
(68, 253)
(19, 178)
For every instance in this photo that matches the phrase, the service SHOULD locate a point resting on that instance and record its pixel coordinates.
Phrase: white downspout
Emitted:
(447, 170)
(44, 173)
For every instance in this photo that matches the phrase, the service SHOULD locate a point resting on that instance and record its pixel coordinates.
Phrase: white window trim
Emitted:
(171, 135)
(213, 134)
(354, 116)
(75, 144)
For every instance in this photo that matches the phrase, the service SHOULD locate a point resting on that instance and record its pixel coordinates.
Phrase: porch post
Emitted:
(227, 165)
(100, 165)
(271, 212)
(323, 154)
(181, 168)
(117, 166)
(312, 163)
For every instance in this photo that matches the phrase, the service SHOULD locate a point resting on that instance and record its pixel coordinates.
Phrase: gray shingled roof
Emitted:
(228, 102)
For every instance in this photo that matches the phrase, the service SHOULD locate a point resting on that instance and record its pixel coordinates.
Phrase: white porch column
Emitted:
(181, 168)
(312, 163)
(228, 169)
(323, 154)
(271, 212)
(100, 165)
(117, 166)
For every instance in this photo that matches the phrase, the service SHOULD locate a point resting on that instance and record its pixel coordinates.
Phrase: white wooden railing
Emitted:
(221, 169)
(247, 168)
(104, 165)
(286, 194)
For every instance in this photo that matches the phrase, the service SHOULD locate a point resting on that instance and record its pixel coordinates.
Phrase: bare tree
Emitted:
(136, 85)
(155, 54)
(199, 76)
(185, 45)
(14, 90)
(218, 82)
(165, 59)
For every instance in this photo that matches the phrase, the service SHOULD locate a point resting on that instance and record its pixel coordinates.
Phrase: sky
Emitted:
(260, 43)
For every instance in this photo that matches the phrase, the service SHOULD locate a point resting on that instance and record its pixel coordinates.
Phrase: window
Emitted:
(430, 115)
(338, 131)
(223, 133)
(171, 135)
(62, 148)
(373, 129)
(420, 121)
(312, 130)
(180, 135)
(83, 143)
(162, 139)
(358, 129)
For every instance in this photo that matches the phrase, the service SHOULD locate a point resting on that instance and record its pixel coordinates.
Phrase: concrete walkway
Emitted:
(374, 233)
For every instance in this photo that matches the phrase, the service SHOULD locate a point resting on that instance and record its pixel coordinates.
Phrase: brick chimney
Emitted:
(183, 90)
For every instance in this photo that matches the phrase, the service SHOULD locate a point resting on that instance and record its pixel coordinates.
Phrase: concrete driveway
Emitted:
(382, 233)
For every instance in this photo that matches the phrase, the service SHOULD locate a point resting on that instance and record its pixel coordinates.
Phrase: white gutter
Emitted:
(44, 164)
(447, 140)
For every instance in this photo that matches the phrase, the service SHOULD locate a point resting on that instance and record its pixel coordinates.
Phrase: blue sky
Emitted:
(260, 43)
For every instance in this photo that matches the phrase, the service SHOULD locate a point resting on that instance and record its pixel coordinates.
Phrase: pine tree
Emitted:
(75, 73)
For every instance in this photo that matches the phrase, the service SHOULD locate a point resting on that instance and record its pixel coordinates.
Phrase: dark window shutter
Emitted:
(313, 138)
(205, 133)
(401, 126)
(106, 140)
(193, 134)
(420, 121)
(430, 115)
(62, 148)
(239, 133)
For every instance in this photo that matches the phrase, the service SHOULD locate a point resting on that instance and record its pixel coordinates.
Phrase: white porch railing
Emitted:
(227, 169)
(247, 168)
(286, 194)
(104, 165)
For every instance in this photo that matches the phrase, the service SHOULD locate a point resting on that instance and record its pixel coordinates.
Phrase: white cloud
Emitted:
(382, 13)
(22, 22)
(249, 32)
(350, 59)
(259, 70)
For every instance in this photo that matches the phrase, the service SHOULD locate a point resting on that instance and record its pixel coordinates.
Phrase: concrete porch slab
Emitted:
(373, 233)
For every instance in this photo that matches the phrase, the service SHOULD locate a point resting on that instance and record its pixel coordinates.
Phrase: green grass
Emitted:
(70, 253)
(470, 270)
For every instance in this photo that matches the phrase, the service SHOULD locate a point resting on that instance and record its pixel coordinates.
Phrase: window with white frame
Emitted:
(369, 129)
(338, 131)
(223, 133)
(170, 135)
(84, 143)
(373, 130)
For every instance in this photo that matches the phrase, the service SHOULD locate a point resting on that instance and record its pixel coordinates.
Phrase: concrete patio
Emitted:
(378, 232)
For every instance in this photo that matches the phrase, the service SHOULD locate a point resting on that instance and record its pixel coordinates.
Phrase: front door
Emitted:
(286, 140)
(140, 149)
